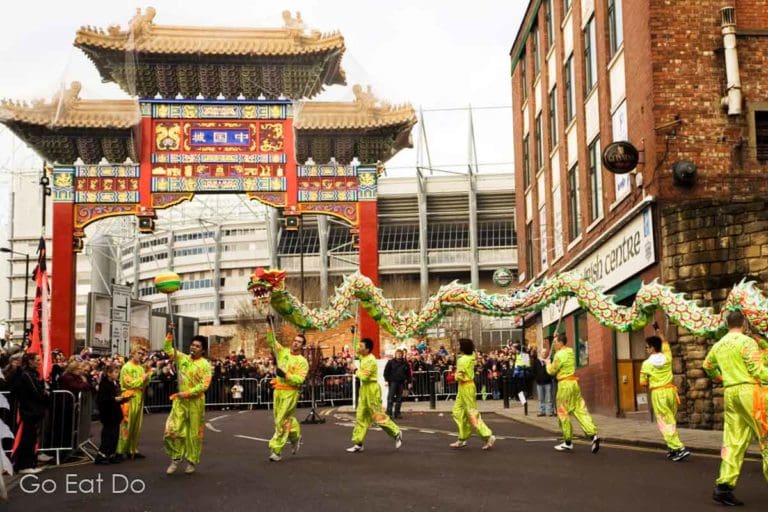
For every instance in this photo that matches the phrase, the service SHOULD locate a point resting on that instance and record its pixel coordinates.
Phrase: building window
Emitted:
(535, 43)
(761, 135)
(615, 26)
(550, 25)
(397, 237)
(574, 208)
(595, 180)
(553, 117)
(454, 235)
(496, 233)
(529, 250)
(526, 164)
(581, 346)
(570, 92)
(590, 57)
(523, 77)
(539, 143)
(566, 6)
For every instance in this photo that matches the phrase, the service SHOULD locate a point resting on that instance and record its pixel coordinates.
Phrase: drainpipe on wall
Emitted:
(728, 29)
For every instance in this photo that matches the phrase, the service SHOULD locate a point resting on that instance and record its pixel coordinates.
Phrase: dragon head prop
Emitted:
(264, 282)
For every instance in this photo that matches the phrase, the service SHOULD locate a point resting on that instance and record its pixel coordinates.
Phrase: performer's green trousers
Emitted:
(744, 417)
(183, 435)
(569, 402)
(286, 426)
(664, 403)
(130, 427)
(369, 411)
(466, 415)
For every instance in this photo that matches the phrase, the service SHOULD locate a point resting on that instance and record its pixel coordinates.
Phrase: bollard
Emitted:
(432, 396)
(505, 389)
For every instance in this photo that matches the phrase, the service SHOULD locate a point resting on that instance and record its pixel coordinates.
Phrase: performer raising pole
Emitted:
(569, 401)
(184, 427)
(369, 407)
(656, 373)
(465, 412)
(291, 370)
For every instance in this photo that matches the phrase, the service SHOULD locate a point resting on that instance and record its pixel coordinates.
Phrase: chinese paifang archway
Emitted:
(218, 111)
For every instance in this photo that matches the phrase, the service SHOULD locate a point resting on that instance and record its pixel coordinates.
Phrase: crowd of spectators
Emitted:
(83, 372)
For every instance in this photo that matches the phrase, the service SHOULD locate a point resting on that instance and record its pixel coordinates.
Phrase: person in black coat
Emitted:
(109, 403)
(33, 399)
(396, 372)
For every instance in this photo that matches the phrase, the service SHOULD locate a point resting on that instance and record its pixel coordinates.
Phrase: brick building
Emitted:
(686, 83)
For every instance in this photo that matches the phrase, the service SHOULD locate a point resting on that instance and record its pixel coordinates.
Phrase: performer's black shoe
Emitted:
(116, 459)
(138, 455)
(724, 495)
(678, 455)
(101, 460)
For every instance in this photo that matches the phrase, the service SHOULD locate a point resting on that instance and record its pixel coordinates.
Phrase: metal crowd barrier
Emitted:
(63, 427)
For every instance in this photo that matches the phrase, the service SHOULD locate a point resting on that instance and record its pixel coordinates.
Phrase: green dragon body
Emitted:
(269, 285)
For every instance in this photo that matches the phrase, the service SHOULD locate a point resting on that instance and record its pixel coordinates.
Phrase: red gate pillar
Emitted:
(63, 273)
(369, 264)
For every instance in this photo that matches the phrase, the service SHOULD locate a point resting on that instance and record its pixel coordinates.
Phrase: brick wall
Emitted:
(709, 245)
(689, 81)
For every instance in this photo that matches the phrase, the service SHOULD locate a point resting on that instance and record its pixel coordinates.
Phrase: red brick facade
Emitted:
(674, 77)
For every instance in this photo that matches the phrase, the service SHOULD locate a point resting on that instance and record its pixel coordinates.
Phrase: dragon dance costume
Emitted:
(737, 362)
(465, 412)
(656, 373)
(369, 407)
(569, 400)
(183, 436)
(286, 395)
(133, 380)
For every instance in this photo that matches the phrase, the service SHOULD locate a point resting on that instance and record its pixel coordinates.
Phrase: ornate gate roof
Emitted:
(146, 59)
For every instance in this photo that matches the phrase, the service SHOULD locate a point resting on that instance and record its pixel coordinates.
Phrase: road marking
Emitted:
(427, 431)
(328, 412)
(211, 427)
(219, 417)
(252, 438)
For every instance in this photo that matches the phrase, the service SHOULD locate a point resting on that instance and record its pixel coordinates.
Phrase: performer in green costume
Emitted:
(369, 407)
(134, 379)
(656, 373)
(736, 362)
(183, 435)
(292, 369)
(569, 400)
(465, 412)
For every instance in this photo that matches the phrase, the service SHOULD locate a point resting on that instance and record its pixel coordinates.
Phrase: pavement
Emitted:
(634, 431)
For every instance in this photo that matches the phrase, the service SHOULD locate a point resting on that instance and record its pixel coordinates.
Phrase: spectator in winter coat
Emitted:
(33, 404)
(544, 383)
(396, 372)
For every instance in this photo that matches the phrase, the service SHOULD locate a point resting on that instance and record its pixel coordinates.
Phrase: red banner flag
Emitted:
(39, 337)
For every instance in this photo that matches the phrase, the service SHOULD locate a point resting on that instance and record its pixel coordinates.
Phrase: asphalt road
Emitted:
(522, 472)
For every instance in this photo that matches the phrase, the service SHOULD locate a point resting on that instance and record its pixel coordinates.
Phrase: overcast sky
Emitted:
(434, 54)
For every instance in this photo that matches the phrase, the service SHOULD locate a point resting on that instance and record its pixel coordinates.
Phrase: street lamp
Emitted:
(26, 288)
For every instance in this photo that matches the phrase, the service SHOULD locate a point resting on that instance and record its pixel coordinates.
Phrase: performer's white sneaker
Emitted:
(458, 444)
(190, 468)
(489, 442)
(595, 443)
(398, 440)
(275, 457)
(562, 447)
(30, 471)
(355, 448)
(296, 446)
(172, 467)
